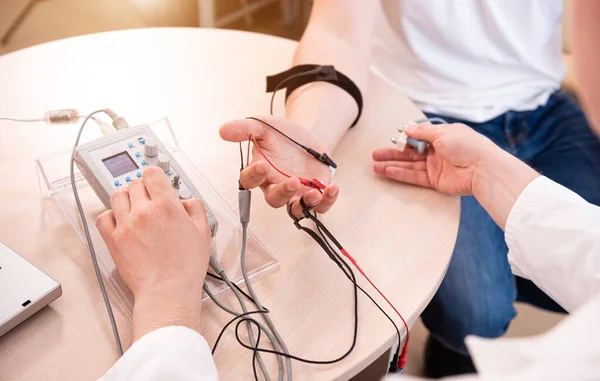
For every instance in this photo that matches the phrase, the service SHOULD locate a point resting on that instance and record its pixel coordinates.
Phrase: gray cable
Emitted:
(88, 237)
(288, 360)
(264, 329)
(237, 294)
(218, 302)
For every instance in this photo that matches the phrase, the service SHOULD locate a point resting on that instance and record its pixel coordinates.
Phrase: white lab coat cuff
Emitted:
(519, 214)
(553, 237)
(168, 353)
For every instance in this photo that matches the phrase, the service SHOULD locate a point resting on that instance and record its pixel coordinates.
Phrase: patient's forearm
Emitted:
(339, 34)
(499, 180)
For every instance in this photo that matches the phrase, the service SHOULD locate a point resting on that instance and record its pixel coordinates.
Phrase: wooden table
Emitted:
(402, 235)
(13, 12)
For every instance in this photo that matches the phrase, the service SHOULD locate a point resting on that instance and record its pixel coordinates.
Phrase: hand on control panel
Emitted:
(160, 246)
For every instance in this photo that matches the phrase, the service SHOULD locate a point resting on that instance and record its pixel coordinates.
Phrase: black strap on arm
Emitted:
(301, 75)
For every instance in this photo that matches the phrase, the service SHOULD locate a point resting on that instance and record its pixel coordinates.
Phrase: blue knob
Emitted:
(144, 162)
(139, 174)
(142, 140)
(130, 145)
(128, 179)
(137, 154)
(117, 183)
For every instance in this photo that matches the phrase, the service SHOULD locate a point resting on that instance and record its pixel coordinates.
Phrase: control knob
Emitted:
(163, 161)
(151, 147)
(185, 194)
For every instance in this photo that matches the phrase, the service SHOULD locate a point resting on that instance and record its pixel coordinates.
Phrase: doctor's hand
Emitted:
(286, 156)
(161, 249)
(452, 163)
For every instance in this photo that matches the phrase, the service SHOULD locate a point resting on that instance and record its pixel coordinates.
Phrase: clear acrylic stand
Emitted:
(55, 183)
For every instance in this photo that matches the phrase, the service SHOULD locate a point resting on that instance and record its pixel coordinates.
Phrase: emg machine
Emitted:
(112, 162)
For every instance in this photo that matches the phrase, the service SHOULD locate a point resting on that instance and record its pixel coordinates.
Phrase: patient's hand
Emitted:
(288, 157)
(451, 164)
(161, 249)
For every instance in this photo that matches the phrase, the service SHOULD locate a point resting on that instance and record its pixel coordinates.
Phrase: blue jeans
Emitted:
(478, 293)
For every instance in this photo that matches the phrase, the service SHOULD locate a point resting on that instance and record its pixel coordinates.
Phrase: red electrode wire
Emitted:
(265, 156)
(314, 183)
(402, 358)
(318, 185)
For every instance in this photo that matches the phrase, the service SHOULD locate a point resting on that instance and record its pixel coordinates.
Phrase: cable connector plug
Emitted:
(402, 358)
(394, 364)
(65, 116)
(118, 122)
(214, 263)
(322, 157)
(244, 203)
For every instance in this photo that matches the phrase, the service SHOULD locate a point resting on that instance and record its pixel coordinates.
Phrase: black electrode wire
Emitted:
(236, 287)
(320, 156)
(278, 131)
(322, 228)
(283, 347)
(256, 346)
(240, 187)
(261, 328)
(241, 158)
(316, 362)
(324, 231)
(240, 316)
(261, 364)
(339, 258)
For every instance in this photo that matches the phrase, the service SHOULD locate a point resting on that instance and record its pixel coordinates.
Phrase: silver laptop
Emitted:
(24, 289)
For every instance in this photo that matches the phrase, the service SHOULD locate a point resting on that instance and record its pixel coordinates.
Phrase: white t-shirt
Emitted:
(471, 59)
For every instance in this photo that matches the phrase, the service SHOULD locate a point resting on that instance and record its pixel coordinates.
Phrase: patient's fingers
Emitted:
(254, 175)
(311, 198)
(240, 130)
(328, 198)
(278, 195)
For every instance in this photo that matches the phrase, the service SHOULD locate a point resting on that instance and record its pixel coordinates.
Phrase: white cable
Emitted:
(53, 117)
(23, 120)
(72, 116)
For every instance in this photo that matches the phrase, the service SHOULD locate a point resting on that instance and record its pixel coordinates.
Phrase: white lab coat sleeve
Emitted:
(553, 236)
(173, 353)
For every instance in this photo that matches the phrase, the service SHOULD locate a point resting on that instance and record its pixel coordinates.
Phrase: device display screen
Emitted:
(120, 164)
